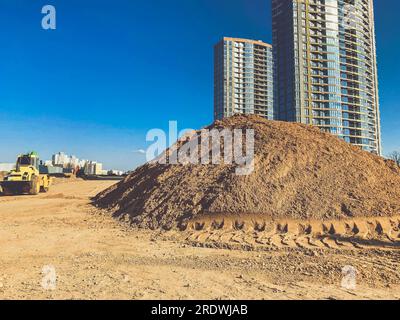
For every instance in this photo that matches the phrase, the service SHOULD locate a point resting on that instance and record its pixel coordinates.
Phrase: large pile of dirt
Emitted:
(300, 173)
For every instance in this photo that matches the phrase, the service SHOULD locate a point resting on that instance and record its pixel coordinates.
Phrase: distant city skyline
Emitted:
(94, 86)
(65, 161)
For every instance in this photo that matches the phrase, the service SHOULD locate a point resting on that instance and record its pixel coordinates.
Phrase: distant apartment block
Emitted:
(243, 78)
(93, 168)
(326, 73)
(65, 161)
(60, 159)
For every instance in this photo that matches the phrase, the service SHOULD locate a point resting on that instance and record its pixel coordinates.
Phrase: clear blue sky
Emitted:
(115, 69)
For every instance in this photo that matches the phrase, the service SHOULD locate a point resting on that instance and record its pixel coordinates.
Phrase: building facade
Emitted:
(65, 161)
(325, 67)
(243, 78)
(93, 168)
(60, 159)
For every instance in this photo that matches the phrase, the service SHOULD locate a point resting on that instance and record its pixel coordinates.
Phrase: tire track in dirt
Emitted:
(367, 233)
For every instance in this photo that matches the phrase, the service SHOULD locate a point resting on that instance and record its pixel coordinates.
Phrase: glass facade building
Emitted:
(243, 78)
(325, 67)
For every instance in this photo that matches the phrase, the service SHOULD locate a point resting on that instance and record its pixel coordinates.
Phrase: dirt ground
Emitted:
(95, 257)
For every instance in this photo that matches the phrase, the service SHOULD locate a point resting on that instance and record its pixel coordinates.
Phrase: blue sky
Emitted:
(112, 70)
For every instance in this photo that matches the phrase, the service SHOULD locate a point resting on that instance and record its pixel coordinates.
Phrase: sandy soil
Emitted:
(96, 258)
(299, 173)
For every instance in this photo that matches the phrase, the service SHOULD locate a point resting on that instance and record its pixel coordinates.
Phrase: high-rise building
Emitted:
(243, 78)
(325, 67)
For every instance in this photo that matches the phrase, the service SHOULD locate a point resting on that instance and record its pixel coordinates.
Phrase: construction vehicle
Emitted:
(26, 177)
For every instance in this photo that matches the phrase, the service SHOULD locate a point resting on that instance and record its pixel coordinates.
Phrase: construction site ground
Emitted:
(97, 257)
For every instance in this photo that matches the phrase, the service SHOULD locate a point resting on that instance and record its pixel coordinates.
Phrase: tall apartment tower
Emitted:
(243, 78)
(325, 67)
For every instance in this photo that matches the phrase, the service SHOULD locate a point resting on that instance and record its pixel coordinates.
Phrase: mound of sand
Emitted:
(300, 173)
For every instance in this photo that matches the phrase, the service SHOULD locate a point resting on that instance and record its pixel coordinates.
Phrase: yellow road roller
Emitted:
(26, 178)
